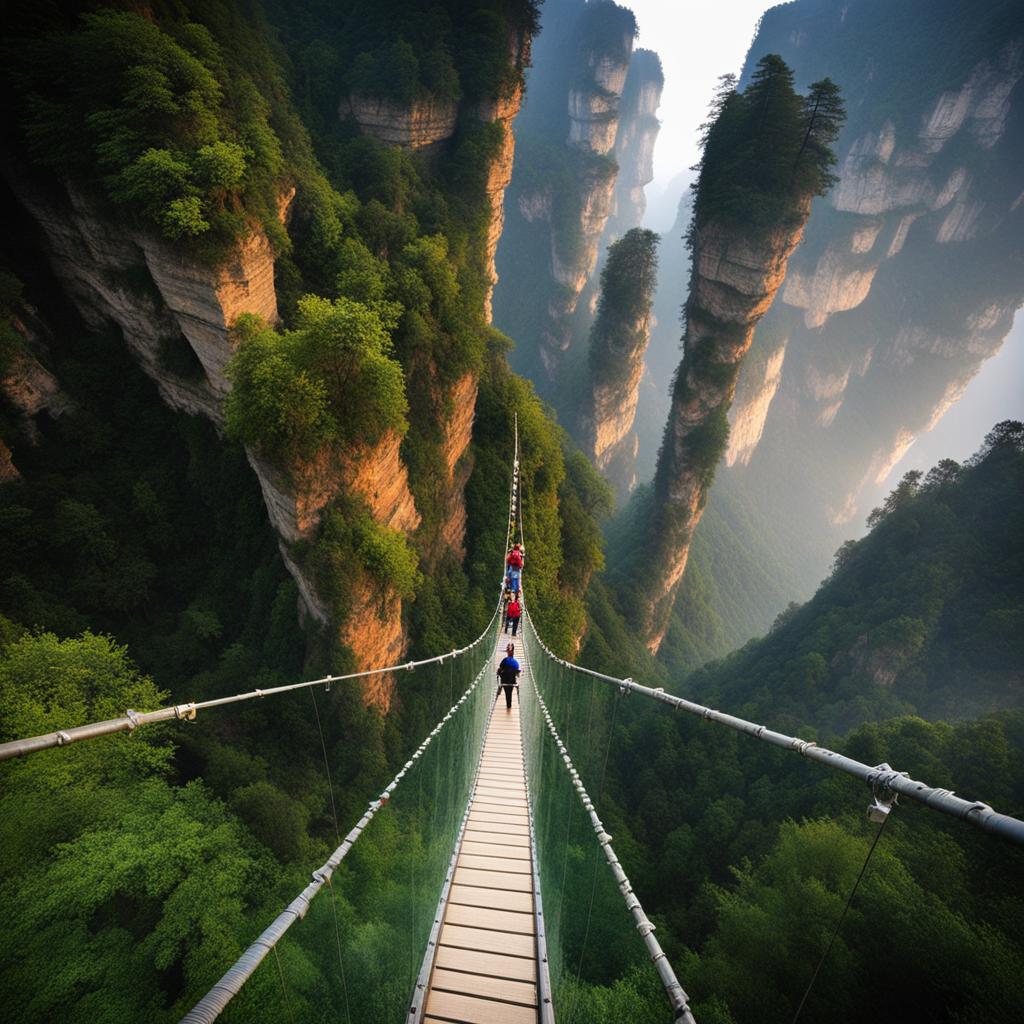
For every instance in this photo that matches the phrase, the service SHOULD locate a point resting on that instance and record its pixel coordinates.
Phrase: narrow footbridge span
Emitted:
(503, 894)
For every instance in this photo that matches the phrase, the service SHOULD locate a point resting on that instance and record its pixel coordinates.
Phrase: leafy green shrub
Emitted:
(332, 378)
(149, 112)
(352, 542)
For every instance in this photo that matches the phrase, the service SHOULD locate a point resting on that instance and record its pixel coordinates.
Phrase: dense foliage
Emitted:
(179, 120)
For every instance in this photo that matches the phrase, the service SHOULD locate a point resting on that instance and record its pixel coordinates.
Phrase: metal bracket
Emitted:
(883, 797)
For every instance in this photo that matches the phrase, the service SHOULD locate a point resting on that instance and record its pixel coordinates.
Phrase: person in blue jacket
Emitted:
(508, 674)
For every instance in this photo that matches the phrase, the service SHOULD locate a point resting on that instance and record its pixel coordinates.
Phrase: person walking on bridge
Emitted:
(508, 674)
(513, 613)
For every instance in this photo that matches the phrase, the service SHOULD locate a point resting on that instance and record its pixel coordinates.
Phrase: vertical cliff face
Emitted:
(904, 284)
(733, 282)
(563, 187)
(428, 123)
(29, 389)
(634, 142)
(175, 315)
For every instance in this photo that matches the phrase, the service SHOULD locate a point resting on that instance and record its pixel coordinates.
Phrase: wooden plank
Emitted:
(450, 1006)
(503, 864)
(500, 801)
(496, 965)
(498, 899)
(486, 917)
(498, 815)
(479, 849)
(493, 879)
(488, 941)
(491, 804)
(504, 789)
(520, 837)
(501, 790)
(508, 824)
(521, 992)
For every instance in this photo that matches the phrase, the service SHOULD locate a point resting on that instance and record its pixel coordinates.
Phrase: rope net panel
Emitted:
(356, 949)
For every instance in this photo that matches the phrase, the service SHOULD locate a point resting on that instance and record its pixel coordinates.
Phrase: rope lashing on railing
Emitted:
(883, 780)
(131, 720)
(675, 992)
(213, 1003)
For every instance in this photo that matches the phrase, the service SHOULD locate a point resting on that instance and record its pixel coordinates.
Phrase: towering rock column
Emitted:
(733, 282)
(634, 143)
(766, 154)
(618, 341)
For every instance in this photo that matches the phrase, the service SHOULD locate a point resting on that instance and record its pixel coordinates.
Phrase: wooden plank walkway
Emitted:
(485, 969)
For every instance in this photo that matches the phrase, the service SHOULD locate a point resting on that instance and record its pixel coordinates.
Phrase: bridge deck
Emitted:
(485, 970)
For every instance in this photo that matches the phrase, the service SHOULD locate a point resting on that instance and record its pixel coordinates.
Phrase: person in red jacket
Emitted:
(513, 614)
(515, 557)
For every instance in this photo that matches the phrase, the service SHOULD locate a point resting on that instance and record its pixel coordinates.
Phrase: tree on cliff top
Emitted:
(766, 147)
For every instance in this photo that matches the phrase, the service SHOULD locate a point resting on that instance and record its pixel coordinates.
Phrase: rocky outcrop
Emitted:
(499, 175)
(175, 315)
(754, 394)
(562, 193)
(161, 301)
(28, 387)
(417, 125)
(428, 123)
(734, 279)
(634, 143)
(458, 433)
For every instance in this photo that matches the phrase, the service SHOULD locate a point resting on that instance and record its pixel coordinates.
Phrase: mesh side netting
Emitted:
(356, 955)
(591, 936)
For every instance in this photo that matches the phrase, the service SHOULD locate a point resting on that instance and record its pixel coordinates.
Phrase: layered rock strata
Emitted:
(733, 282)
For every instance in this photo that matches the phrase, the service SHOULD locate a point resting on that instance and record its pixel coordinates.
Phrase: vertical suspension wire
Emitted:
(284, 988)
(839, 923)
(337, 835)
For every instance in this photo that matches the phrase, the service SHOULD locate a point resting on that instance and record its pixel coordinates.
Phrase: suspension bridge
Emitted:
(500, 891)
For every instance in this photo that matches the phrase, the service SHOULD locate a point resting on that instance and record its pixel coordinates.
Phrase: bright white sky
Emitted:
(697, 40)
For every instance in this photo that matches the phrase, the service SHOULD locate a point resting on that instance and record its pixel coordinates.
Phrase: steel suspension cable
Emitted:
(883, 779)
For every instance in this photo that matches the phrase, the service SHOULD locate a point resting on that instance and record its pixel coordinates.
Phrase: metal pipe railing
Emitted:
(131, 720)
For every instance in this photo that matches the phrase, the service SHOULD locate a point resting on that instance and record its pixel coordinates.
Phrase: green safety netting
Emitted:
(591, 939)
(355, 957)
